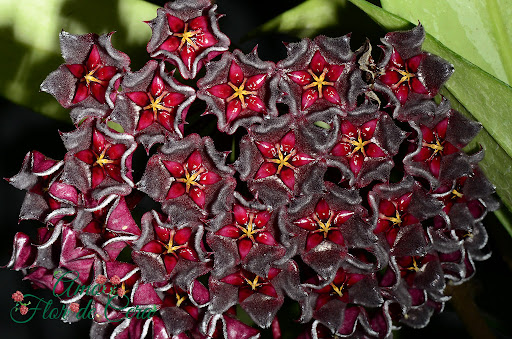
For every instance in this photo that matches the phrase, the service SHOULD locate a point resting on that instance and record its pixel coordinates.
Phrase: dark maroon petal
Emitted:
(173, 99)
(209, 178)
(334, 72)
(165, 119)
(356, 163)
(348, 129)
(98, 91)
(342, 149)
(313, 240)
(367, 129)
(374, 151)
(288, 177)
(262, 218)
(322, 210)
(268, 290)
(105, 73)
(336, 237)
(331, 95)
(194, 161)
(116, 151)
(288, 142)
(301, 159)
(234, 279)
(189, 254)
(171, 44)
(267, 149)
(255, 104)
(154, 247)
(307, 224)
(176, 25)
(157, 86)
(170, 263)
(82, 92)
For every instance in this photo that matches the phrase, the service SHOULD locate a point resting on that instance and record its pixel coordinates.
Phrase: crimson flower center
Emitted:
(358, 144)
(155, 104)
(282, 160)
(240, 93)
(319, 81)
(191, 179)
(186, 37)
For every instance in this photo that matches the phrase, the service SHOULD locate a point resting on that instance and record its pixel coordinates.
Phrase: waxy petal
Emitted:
(267, 149)
(255, 104)
(318, 63)
(209, 178)
(157, 86)
(309, 96)
(177, 190)
(154, 247)
(98, 92)
(77, 70)
(173, 99)
(166, 120)
(146, 119)
(105, 73)
(198, 196)
(113, 171)
(288, 142)
(244, 246)
(356, 163)
(176, 25)
(171, 44)
(334, 72)
(341, 217)
(336, 237)
(367, 129)
(86, 156)
(240, 214)
(194, 161)
(222, 91)
(94, 59)
(82, 92)
(236, 76)
(140, 98)
(229, 231)
(262, 218)
(255, 82)
(342, 149)
(313, 240)
(301, 159)
(330, 94)
(233, 109)
(116, 151)
(348, 130)
(302, 78)
(322, 210)
(307, 224)
(374, 151)
(175, 168)
(265, 238)
(288, 177)
(97, 176)
(266, 170)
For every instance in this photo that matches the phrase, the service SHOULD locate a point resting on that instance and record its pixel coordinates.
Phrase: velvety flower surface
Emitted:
(345, 198)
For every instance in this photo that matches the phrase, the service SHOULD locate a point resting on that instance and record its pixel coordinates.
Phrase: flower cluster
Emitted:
(351, 195)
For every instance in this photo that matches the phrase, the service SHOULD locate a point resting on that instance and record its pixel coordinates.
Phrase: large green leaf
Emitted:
(481, 31)
(29, 36)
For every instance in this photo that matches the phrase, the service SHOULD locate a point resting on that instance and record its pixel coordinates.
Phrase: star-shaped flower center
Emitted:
(437, 147)
(101, 160)
(282, 160)
(191, 179)
(155, 104)
(338, 290)
(254, 283)
(406, 76)
(186, 37)
(171, 248)
(324, 227)
(396, 220)
(90, 78)
(358, 144)
(180, 299)
(249, 231)
(414, 266)
(319, 81)
(240, 93)
(456, 194)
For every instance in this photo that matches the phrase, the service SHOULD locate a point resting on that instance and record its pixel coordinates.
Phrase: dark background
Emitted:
(22, 130)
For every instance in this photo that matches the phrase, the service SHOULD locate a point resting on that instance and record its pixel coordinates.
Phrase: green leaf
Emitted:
(29, 37)
(495, 160)
(115, 126)
(307, 19)
(486, 97)
(481, 31)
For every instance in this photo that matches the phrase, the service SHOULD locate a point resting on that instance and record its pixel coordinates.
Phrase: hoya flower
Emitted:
(236, 89)
(406, 69)
(366, 146)
(313, 76)
(92, 65)
(186, 33)
(152, 104)
(98, 160)
(186, 171)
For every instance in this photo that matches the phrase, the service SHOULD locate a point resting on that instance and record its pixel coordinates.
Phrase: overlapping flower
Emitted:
(356, 203)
